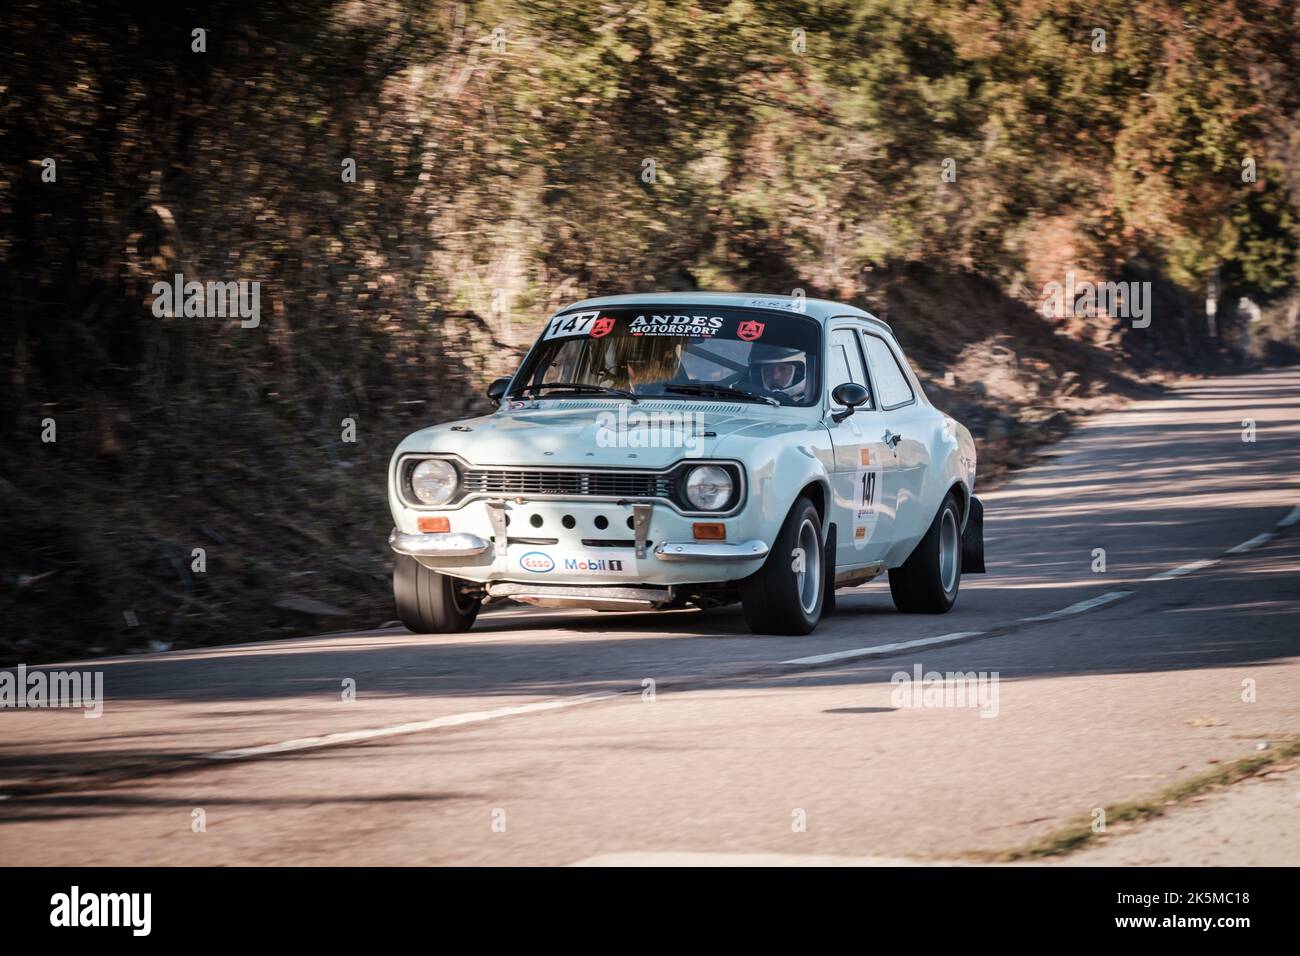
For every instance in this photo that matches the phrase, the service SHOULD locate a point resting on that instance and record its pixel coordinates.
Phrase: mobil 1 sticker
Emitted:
(571, 324)
(866, 496)
(599, 563)
(603, 562)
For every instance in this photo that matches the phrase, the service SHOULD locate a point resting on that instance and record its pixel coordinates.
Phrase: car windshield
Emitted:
(696, 352)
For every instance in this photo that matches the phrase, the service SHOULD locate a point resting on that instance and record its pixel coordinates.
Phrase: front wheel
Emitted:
(429, 602)
(928, 580)
(786, 594)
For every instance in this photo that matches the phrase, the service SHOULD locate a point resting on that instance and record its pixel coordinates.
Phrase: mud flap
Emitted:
(828, 563)
(972, 540)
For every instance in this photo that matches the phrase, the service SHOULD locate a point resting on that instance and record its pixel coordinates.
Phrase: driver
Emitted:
(783, 372)
(648, 361)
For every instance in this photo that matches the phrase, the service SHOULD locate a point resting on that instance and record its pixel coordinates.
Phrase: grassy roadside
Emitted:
(1078, 833)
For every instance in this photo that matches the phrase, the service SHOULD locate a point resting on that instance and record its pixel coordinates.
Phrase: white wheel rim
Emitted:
(808, 580)
(949, 542)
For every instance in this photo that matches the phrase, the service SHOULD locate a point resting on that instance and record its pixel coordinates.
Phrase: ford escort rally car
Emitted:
(690, 449)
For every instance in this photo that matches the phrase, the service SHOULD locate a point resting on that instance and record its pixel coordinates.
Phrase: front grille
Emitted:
(607, 484)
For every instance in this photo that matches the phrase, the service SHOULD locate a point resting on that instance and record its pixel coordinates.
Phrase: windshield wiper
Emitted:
(580, 387)
(718, 391)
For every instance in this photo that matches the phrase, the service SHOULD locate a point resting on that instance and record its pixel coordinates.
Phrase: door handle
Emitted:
(892, 439)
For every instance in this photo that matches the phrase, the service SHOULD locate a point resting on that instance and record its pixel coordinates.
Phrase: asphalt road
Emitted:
(569, 737)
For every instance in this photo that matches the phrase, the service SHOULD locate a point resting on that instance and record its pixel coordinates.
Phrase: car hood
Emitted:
(602, 433)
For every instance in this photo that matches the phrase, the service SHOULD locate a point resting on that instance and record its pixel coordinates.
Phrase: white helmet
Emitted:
(778, 368)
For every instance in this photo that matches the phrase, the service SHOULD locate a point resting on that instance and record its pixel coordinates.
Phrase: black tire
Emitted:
(775, 597)
(925, 583)
(429, 602)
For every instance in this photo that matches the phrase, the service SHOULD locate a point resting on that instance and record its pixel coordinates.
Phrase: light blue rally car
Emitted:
(690, 449)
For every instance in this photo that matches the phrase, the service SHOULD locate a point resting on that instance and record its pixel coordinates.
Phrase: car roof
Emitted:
(819, 309)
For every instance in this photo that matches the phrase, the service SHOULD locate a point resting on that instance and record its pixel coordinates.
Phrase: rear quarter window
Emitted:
(892, 387)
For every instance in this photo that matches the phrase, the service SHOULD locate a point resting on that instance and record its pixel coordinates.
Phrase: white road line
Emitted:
(451, 720)
(1242, 548)
(880, 650)
(1088, 605)
(1253, 543)
(1182, 569)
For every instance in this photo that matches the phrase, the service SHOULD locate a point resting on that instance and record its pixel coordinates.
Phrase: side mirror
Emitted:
(850, 395)
(497, 390)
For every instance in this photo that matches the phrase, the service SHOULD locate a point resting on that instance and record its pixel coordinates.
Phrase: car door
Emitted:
(904, 430)
(865, 480)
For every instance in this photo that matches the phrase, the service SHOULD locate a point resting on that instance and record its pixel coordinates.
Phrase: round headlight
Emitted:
(433, 481)
(709, 487)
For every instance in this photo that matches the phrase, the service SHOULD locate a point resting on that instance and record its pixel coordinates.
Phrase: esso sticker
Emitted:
(537, 562)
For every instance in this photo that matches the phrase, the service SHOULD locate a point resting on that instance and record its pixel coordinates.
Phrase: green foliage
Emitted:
(1264, 228)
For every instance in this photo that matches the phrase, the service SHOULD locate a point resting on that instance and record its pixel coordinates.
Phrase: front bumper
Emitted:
(568, 542)
(710, 551)
(451, 545)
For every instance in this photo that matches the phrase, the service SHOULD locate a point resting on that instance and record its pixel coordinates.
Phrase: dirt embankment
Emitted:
(1018, 380)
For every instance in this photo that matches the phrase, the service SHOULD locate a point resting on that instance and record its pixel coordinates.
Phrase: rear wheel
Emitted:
(429, 602)
(786, 594)
(928, 580)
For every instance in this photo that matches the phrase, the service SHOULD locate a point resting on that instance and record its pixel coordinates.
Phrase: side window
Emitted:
(846, 363)
(892, 386)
